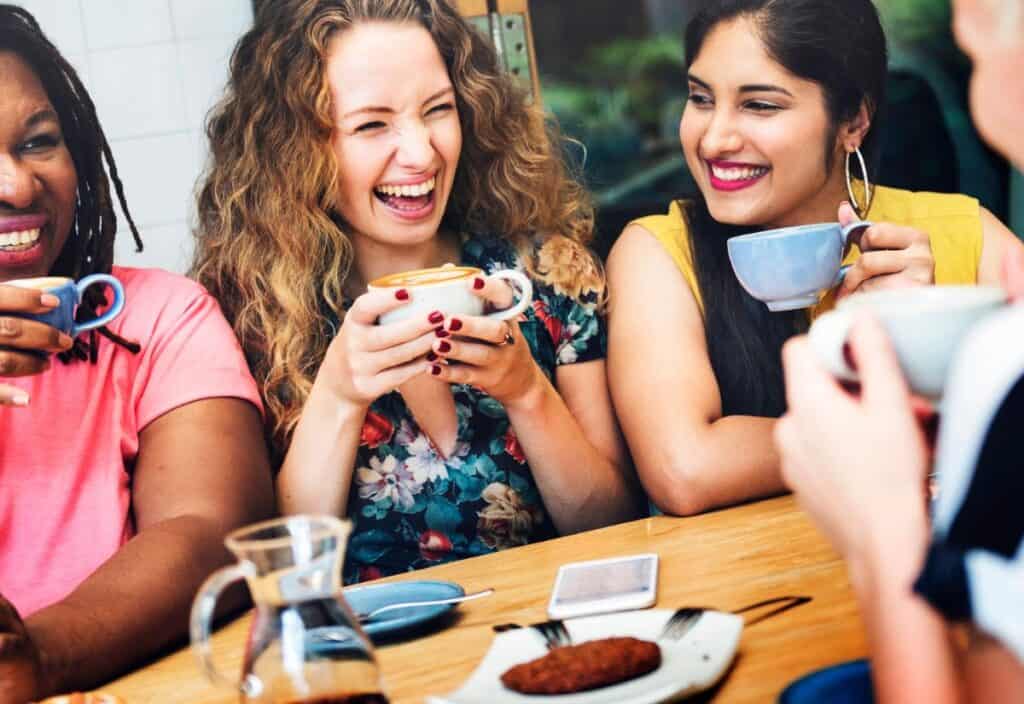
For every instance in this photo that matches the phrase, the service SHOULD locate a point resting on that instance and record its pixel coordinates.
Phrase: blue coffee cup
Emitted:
(70, 294)
(790, 267)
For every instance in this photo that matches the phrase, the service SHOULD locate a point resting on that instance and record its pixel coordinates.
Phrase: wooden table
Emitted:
(726, 560)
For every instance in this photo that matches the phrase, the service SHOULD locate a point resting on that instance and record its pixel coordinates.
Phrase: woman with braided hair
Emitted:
(126, 456)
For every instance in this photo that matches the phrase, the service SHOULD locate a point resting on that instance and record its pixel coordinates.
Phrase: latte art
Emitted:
(426, 277)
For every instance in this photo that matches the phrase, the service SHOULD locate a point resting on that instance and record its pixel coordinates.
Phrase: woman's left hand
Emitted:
(20, 660)
(489, 354)
(892, 256)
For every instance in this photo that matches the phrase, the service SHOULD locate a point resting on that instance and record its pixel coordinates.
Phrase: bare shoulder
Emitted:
(640, 269)
(998, 242)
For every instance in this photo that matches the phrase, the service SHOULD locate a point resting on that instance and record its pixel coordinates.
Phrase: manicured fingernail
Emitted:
(478, 283)
(455, 324)
(48, 299)
(436, 370)
(436, 317)
(441, 332)
(431, 357)
(19, 400)
(443, 346)
(402, 295)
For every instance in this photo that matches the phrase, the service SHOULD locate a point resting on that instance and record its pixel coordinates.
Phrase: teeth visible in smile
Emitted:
(11, 240)
(738, 173)
(419, 189)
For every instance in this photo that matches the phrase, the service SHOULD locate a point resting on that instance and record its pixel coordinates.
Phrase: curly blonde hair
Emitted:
(270, 245)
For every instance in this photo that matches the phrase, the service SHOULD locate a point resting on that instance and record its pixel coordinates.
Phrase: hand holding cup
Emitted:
(892, 256)
(37, 318)
(25, 344)
(488, 351)
(367, 360)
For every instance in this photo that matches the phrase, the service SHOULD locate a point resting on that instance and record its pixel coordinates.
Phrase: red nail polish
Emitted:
(402, 295)
(455, 324)
(436, 370)
(436, 317)
(431, 357)
(444, 346)
(441, 332)
(478, 283)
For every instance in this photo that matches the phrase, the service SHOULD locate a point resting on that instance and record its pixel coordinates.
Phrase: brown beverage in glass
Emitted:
(304, 644)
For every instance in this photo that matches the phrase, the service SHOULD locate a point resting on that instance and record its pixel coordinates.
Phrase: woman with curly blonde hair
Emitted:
(360, 138)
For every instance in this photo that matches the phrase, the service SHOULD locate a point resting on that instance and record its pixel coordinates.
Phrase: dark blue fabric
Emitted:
(845, 683)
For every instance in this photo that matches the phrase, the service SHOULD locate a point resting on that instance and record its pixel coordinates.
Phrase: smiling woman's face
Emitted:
(754, 134)
(38, 182)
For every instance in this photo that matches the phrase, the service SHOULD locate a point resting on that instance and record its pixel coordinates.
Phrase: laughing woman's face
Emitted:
(38, 181)
(397, 136)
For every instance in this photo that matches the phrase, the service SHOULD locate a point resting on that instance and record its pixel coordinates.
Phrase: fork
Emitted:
(554, 633)
(681, 623)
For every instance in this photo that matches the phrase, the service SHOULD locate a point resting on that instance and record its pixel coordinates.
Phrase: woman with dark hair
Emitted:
(785, 135)
(338, 160)
(126, 459)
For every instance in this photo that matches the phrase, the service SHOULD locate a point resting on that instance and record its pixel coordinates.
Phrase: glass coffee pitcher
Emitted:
(305, 646)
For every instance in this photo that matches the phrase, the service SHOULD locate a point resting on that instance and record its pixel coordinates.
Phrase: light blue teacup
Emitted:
(790, 267)
(70, 294)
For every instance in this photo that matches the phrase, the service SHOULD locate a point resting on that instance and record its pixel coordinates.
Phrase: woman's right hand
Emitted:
(366, 360)
(21, 340)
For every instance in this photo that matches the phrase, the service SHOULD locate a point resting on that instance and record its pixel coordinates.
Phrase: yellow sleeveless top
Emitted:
(952, 221)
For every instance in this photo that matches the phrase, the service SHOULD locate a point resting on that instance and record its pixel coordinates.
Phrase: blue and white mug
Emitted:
(70, 294)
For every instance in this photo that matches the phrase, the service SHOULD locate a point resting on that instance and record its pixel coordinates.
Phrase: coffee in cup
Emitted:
(70, 295)
(790, 267)
(925, 325)
(447, 289)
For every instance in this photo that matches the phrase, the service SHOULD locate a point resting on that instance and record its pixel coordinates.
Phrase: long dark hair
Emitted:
(90, 245)
(840, 45)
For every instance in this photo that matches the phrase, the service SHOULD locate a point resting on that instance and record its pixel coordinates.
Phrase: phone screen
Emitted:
(590, 582)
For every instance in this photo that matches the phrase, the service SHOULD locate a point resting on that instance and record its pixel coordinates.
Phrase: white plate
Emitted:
(689, 665)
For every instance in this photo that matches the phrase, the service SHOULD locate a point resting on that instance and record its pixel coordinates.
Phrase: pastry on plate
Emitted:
(576, 668)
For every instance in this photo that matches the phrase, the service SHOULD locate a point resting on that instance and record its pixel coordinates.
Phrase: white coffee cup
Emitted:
(925, 325)
(447, 289)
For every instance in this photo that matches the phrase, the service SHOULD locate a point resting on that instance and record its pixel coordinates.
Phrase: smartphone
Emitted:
(601, 586)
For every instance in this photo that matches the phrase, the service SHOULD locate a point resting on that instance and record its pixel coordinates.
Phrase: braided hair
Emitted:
(89, 248)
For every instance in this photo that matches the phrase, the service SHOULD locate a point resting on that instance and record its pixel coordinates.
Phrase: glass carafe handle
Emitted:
(201, 622)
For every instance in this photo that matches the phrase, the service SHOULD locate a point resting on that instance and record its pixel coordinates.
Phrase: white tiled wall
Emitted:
(154, 68)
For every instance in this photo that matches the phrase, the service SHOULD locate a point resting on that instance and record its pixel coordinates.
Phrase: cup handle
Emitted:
(201, 621)
(851, 228)
(845, 233)
(828, 336)
(115, 308)
(525, 293)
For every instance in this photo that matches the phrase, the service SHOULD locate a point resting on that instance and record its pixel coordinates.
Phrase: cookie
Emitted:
(576, 668)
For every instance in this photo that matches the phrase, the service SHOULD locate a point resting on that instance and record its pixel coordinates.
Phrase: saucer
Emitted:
(845, 683)
(689, 665)
(363, 599)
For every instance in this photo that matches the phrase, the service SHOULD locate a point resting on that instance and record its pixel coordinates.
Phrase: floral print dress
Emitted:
(412, 507)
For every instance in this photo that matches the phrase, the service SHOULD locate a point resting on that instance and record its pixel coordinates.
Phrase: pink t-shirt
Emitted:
(66, 459)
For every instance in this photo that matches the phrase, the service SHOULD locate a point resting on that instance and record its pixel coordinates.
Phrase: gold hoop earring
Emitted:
(861, 213)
